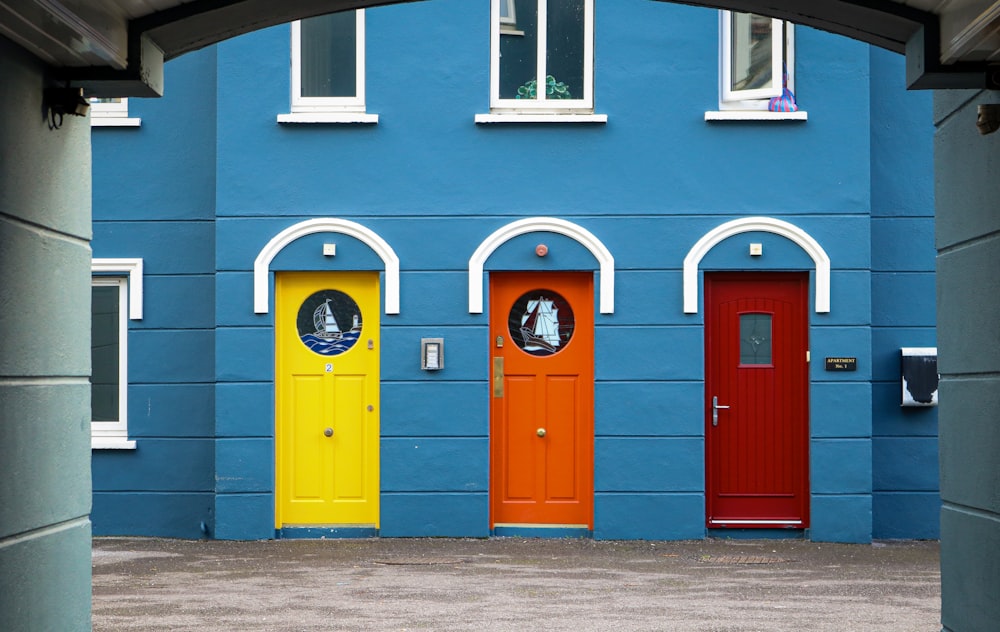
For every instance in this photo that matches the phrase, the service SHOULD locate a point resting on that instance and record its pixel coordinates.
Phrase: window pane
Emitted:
(104, 353)
(755, 339)
(519, 54)
(564, 57)
(751, 52)
(329, 55)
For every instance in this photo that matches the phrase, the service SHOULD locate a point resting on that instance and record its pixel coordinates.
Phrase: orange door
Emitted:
(757, 405)
(542, 394)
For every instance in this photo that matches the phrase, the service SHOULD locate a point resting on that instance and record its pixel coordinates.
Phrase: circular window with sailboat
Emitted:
(541, 322)
(329, 322)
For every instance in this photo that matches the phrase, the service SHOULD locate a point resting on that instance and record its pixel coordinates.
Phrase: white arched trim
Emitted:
(261, 265)
(551, 225)
(760, 224)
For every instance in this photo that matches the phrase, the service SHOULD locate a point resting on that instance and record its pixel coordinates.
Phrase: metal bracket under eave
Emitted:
(924, 70)
(143, 77)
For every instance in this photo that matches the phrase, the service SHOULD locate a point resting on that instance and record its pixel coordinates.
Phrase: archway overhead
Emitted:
(117, 47)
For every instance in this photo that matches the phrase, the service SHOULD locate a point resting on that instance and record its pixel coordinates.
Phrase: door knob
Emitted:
(328, 432)
(540, 432)
(716, 406)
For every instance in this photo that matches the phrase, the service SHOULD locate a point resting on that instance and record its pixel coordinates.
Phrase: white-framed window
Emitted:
(756, 68)
(109, 359)
(111, 112)
(113, 304)
(541, 60)
(328, 70)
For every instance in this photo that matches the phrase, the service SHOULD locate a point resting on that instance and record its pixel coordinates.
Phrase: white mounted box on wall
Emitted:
(918, 369)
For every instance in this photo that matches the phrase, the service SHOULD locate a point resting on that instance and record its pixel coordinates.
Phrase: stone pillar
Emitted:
(45, 201)
(967, 217)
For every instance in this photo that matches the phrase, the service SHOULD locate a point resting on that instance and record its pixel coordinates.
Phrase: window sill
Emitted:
(115, 121)
(329, 117)
(547, 117)
(755, 115)
(111, 443)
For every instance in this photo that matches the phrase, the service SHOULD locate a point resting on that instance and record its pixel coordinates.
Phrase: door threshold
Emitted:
(527, 530)
(323, 532)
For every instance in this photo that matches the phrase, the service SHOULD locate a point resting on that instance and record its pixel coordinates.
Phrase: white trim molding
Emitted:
(542, 224)
(262, 264)
(134, 269)
(759, 224)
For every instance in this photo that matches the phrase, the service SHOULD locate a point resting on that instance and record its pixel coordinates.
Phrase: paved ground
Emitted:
(514, 584)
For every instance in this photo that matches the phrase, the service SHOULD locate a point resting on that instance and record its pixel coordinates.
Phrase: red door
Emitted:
(541, 394)
(757, 406)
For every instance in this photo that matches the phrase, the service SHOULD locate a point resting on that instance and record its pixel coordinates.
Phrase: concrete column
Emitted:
(967, 216)
(45, 201)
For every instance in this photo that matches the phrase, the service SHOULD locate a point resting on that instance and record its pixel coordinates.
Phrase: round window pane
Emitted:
(329, 322)
(541, 322)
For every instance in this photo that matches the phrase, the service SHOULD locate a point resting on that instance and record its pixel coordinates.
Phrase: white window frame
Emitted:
(511, 18)
(114, 114)
(584, 105)
(753, 104)
(127, 275)
(328, 109)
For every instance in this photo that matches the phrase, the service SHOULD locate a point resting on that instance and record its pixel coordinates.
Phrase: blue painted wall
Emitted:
(221, 177)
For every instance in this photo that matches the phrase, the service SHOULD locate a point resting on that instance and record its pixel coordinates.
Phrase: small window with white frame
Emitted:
(756, 68)
(109, 362)
(111, 112)
(116, 298)
(328, 70)
(542, 58)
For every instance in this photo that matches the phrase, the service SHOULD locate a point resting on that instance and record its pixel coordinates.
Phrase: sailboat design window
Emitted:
(755, 339)
(541, 322)
(329, 322)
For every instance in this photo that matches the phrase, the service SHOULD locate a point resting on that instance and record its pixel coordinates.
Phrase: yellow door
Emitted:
(327, 391)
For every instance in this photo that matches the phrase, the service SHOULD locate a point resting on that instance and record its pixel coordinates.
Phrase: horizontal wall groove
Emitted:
(46, 231)
(47, 530)
(970, 511)
(44, 380)
(960, 246)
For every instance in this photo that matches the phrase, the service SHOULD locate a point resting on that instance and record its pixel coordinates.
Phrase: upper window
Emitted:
(328, 69)
(756, 65)
(542, 56)
(111, 112)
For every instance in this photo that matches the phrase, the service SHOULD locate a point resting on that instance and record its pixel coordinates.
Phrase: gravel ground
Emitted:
(514, 584)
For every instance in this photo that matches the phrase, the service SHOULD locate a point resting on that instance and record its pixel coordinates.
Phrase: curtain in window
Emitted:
(329, 55)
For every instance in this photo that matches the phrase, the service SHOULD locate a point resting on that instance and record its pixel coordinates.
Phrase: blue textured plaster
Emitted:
(433, 464)
(421, 515)
(656, 409)
(171, 410)
(840, 466)
(244, 465)
(244, 409)
(648, 464)
(842, 518)
(649, 516)
(840, 410)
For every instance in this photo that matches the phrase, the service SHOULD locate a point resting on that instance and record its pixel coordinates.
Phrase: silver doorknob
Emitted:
(540, 432)
(328, 432)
